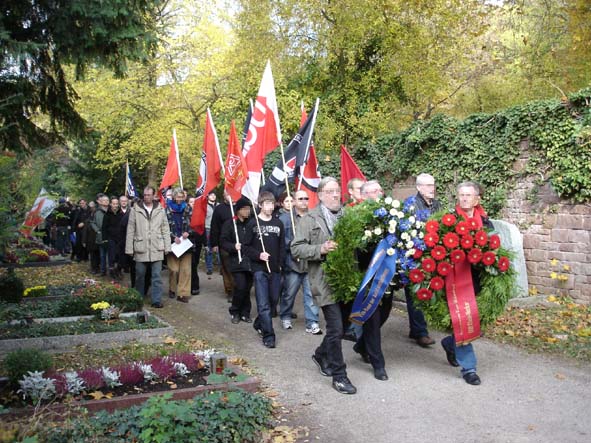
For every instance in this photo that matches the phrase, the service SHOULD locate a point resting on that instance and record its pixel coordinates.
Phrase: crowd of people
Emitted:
(277, 246)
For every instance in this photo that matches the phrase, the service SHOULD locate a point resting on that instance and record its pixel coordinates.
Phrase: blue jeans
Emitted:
(104, 252)
(416, 318)
(267, 287)
(209, 254)
(140, 277)
(292, 283)
(465, 355)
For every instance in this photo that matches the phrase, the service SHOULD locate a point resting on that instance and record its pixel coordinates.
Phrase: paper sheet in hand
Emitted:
(179, 249)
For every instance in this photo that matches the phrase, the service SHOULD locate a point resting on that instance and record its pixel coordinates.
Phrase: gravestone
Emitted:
(512, 239)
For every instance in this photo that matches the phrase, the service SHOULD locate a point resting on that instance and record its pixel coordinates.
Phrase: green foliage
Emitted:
(220, 417)
(483, 147)
(128, 299)
(19, 363)
(75, 328)
(40, 38)
(11, 287)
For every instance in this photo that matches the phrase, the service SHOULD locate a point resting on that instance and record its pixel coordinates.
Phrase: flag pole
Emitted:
(178, 159)
(126, 177)
(260, 235)
(235, 228)
(308, 147)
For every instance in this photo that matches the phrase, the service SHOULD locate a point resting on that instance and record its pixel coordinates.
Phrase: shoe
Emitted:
(194, 291)
(157, 305)
(286, 324)
(344, 386)
(245, 319)
(258, 329)
(380, 374)
(269, 344)
(183, 299)
(364, 355)
(350, 336)
(229, 298)
(322, 367)
(451, 356)
(171, 294)
(209, 272)
(235, 319)
(314, 329)
(294, 315)
(425, 342)
(472, 378)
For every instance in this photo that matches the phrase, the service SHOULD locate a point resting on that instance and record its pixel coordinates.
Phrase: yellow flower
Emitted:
(553, 262)
(566, 267)
(553, 275)
(562, 277)
(100, 305)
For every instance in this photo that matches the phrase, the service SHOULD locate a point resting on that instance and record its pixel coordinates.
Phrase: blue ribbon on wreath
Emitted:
(380, 272)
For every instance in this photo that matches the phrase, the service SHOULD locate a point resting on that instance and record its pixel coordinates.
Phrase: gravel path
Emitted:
(523, 398)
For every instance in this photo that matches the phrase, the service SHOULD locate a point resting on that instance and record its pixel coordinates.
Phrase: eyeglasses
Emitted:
(332, 191)
(303, 198)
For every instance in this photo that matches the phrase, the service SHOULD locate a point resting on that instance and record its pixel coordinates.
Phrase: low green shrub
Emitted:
(220, 417)
(128, 299)
(19, 363)
(11, 287)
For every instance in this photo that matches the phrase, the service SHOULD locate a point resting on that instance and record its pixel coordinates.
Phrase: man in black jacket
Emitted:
(424, 200)
(221, 214)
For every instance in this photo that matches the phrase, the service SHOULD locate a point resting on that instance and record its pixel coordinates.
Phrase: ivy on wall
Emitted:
(484, 147)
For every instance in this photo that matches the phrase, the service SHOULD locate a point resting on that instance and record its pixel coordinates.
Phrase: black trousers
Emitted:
(330, 350)
(241, 304)
(194, 265)
(371, 340)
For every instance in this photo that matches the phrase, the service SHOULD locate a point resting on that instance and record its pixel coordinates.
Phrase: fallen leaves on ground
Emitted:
(54, 275)
(97, 395)
(562, 328)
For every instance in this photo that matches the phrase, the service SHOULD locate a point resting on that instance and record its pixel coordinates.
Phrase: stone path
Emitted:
(523, 398)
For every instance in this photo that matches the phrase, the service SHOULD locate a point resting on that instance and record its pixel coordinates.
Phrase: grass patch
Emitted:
(561, 328)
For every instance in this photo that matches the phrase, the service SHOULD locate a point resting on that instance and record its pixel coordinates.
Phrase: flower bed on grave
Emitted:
(29, 250)
(185, 374)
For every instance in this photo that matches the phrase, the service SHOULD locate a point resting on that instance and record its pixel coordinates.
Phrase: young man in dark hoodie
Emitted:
(265, 246)
(239, 266)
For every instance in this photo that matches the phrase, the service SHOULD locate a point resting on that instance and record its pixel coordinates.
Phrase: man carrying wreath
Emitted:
(465, 282)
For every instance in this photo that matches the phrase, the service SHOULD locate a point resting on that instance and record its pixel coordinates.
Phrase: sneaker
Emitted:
(344, 386)
(209, 272)
(322, 367)
(245, 319)
(286, 324)
(235, 319)
(314, 329)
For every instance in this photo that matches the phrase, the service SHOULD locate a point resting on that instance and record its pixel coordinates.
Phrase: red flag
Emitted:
(263, 135)
(236, 172)
(209, 174)
(349, 170)
(172, 173)
(41, 209)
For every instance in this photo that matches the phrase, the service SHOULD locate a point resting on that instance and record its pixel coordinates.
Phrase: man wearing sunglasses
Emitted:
(295, 273)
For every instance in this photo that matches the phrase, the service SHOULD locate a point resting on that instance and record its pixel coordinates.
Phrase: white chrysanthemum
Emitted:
(399, 244)
(400, 214)
(393, 212)
(396, 204)
(409, 244)
(412, 219)
(392, 229)
(404, 236)
(421, 234)
(413, 233)
(410, 252)
(390, 251)
(388, 200)
(377, 231)
(419, 224)
(368, 233)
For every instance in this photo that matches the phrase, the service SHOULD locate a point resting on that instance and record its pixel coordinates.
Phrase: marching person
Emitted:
(424, 200)
(311, 243)
(221, 214)
(178, 213)
(148, 240)
(468, 195)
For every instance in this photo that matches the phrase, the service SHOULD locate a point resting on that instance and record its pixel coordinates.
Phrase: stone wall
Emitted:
(556, 238)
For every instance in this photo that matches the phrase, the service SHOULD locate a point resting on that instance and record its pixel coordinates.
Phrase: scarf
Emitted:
(330, 217)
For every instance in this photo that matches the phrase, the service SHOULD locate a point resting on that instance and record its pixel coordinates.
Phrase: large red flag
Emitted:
(172, 173)
(209, 174)
(349, 170)
(264, 134)
(236, 172)
(41, 209)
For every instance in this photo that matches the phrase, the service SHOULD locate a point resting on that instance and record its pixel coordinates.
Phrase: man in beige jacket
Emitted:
(148, 240)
